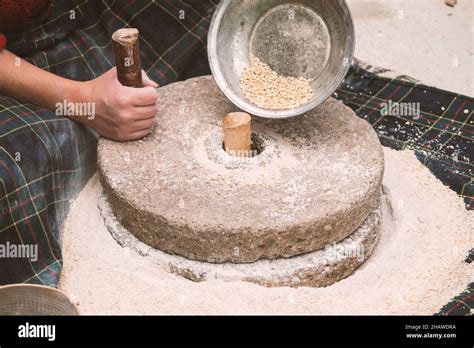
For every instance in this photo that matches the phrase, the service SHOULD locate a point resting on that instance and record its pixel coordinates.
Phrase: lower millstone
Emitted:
(316, 269)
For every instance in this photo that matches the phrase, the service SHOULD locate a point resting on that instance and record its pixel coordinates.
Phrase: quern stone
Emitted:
(316, 179)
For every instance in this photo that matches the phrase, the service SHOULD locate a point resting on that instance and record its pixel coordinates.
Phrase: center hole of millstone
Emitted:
(256, 147)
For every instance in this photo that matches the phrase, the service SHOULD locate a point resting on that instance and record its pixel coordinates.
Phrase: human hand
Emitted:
(121, 113)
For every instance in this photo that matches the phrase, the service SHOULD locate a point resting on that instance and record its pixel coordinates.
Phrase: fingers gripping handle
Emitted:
(127, 57)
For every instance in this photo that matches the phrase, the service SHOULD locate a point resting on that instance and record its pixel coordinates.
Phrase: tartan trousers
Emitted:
(46, 159)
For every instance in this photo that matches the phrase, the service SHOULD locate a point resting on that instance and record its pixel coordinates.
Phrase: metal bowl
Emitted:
(309, 38)
(32, 299)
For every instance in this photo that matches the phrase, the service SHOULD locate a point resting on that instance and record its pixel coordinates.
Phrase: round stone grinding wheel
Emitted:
(314, 180)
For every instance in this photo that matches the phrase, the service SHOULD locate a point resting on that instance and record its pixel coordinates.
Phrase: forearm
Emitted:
(25, 82)
(116, 112)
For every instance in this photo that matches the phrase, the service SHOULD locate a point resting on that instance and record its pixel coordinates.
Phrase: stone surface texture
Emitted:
(315, 182)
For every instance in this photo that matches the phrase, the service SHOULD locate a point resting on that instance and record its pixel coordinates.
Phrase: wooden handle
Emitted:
(237, 133)
(127, 57)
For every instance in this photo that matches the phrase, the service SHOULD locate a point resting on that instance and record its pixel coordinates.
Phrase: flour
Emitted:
(417, 266)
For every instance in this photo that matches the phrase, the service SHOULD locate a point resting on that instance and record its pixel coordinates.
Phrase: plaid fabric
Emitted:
(464, 303)
(441, 135)
(460, 305)
(45, 159)
(57, 155)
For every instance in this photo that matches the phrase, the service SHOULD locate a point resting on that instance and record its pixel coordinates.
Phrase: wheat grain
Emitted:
(265, 88)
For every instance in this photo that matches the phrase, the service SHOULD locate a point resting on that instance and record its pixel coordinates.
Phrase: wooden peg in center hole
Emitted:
(237, 130)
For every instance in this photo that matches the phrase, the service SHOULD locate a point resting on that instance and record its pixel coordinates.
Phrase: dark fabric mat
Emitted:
(441, 134)
(460, 305)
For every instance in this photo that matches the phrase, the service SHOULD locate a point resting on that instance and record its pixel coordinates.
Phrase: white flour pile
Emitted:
(416, 268)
